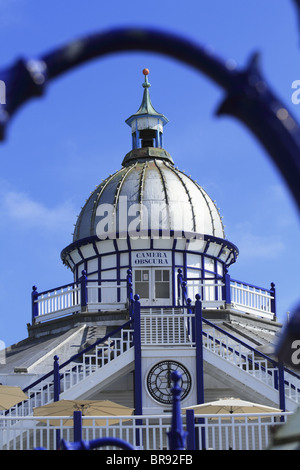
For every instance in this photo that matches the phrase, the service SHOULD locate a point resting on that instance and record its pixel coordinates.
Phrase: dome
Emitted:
(148, 193)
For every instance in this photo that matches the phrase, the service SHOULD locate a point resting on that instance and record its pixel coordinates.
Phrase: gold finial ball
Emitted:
(146, 71)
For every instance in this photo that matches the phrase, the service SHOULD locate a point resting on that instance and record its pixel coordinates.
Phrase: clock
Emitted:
(159, 381)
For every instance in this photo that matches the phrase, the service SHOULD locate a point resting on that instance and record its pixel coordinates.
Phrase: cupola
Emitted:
(147, 124)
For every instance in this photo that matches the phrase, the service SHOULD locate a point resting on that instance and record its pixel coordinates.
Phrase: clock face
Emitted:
(159, 381)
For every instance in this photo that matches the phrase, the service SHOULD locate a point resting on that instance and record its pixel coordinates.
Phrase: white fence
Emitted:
(252, 299)
(210, 291)
(63, 300)
(246, 297)
(112, 295)
(242, 432)
(160, 326)
(66, 300)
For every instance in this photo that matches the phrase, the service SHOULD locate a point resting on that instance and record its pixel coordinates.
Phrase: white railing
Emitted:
(67, 299)
(252, 299)
(166, 326)
(216, 293)
(58, 302)
(221, 432)
(90, 362)
(247, 358)
(238, 431)
(74, 372)
(210, 291)
(113, 295)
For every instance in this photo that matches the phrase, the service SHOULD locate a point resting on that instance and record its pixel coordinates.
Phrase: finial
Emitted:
(146, 84)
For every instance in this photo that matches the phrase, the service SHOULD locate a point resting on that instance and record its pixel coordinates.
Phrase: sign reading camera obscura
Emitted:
(151, 258)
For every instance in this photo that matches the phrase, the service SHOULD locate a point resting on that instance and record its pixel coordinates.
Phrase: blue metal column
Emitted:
(138, 404)
(226, 288)
(35, 307)
(190, 427)
(77, 425)
(179, 281)
(83, 289)
(273, 301)
(199, 351)
(56, 378)
(56, 386)
(281, 388)
(199, 361)
(176, 435)
(130, 292)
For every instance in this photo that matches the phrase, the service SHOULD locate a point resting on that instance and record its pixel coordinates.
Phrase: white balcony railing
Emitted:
(113, 295)
(252, 299)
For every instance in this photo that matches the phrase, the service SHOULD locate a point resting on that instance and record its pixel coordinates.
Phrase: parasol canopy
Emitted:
(103, 408)
(10, 396)
(232, 406)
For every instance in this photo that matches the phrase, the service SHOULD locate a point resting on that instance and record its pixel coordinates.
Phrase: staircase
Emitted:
(245, 368)
(90, 370)
(225, 355)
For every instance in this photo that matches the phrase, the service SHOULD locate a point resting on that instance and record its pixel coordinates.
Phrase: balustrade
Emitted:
(224, 292)
(166, 326)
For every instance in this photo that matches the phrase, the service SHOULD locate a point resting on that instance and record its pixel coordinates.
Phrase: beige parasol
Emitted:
(232, 406)
(103, 408)
(10, 396)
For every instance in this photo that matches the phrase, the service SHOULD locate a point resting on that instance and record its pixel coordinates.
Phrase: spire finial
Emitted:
(146, 124)
(146, 84)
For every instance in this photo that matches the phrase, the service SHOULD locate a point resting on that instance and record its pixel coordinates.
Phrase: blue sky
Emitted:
(60, 147)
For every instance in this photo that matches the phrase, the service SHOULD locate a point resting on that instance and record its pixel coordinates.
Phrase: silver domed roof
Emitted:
(148, 193)
(155, 195)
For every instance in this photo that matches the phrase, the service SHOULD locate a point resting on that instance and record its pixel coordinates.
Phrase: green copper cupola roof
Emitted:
(146, 124)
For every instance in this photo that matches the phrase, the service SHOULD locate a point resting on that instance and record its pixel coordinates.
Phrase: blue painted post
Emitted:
(130, 292)
(281, 388)
(199, 361)
(190, 427)
(56, 385)
(34, 305)
(183, 291)
(273, 301)
(138, 404)
(176, 435)
(179, 281)
(199, 350)
(226, 288)
(83, 289)
(191, 322)
(77, 425)
(56, 378)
